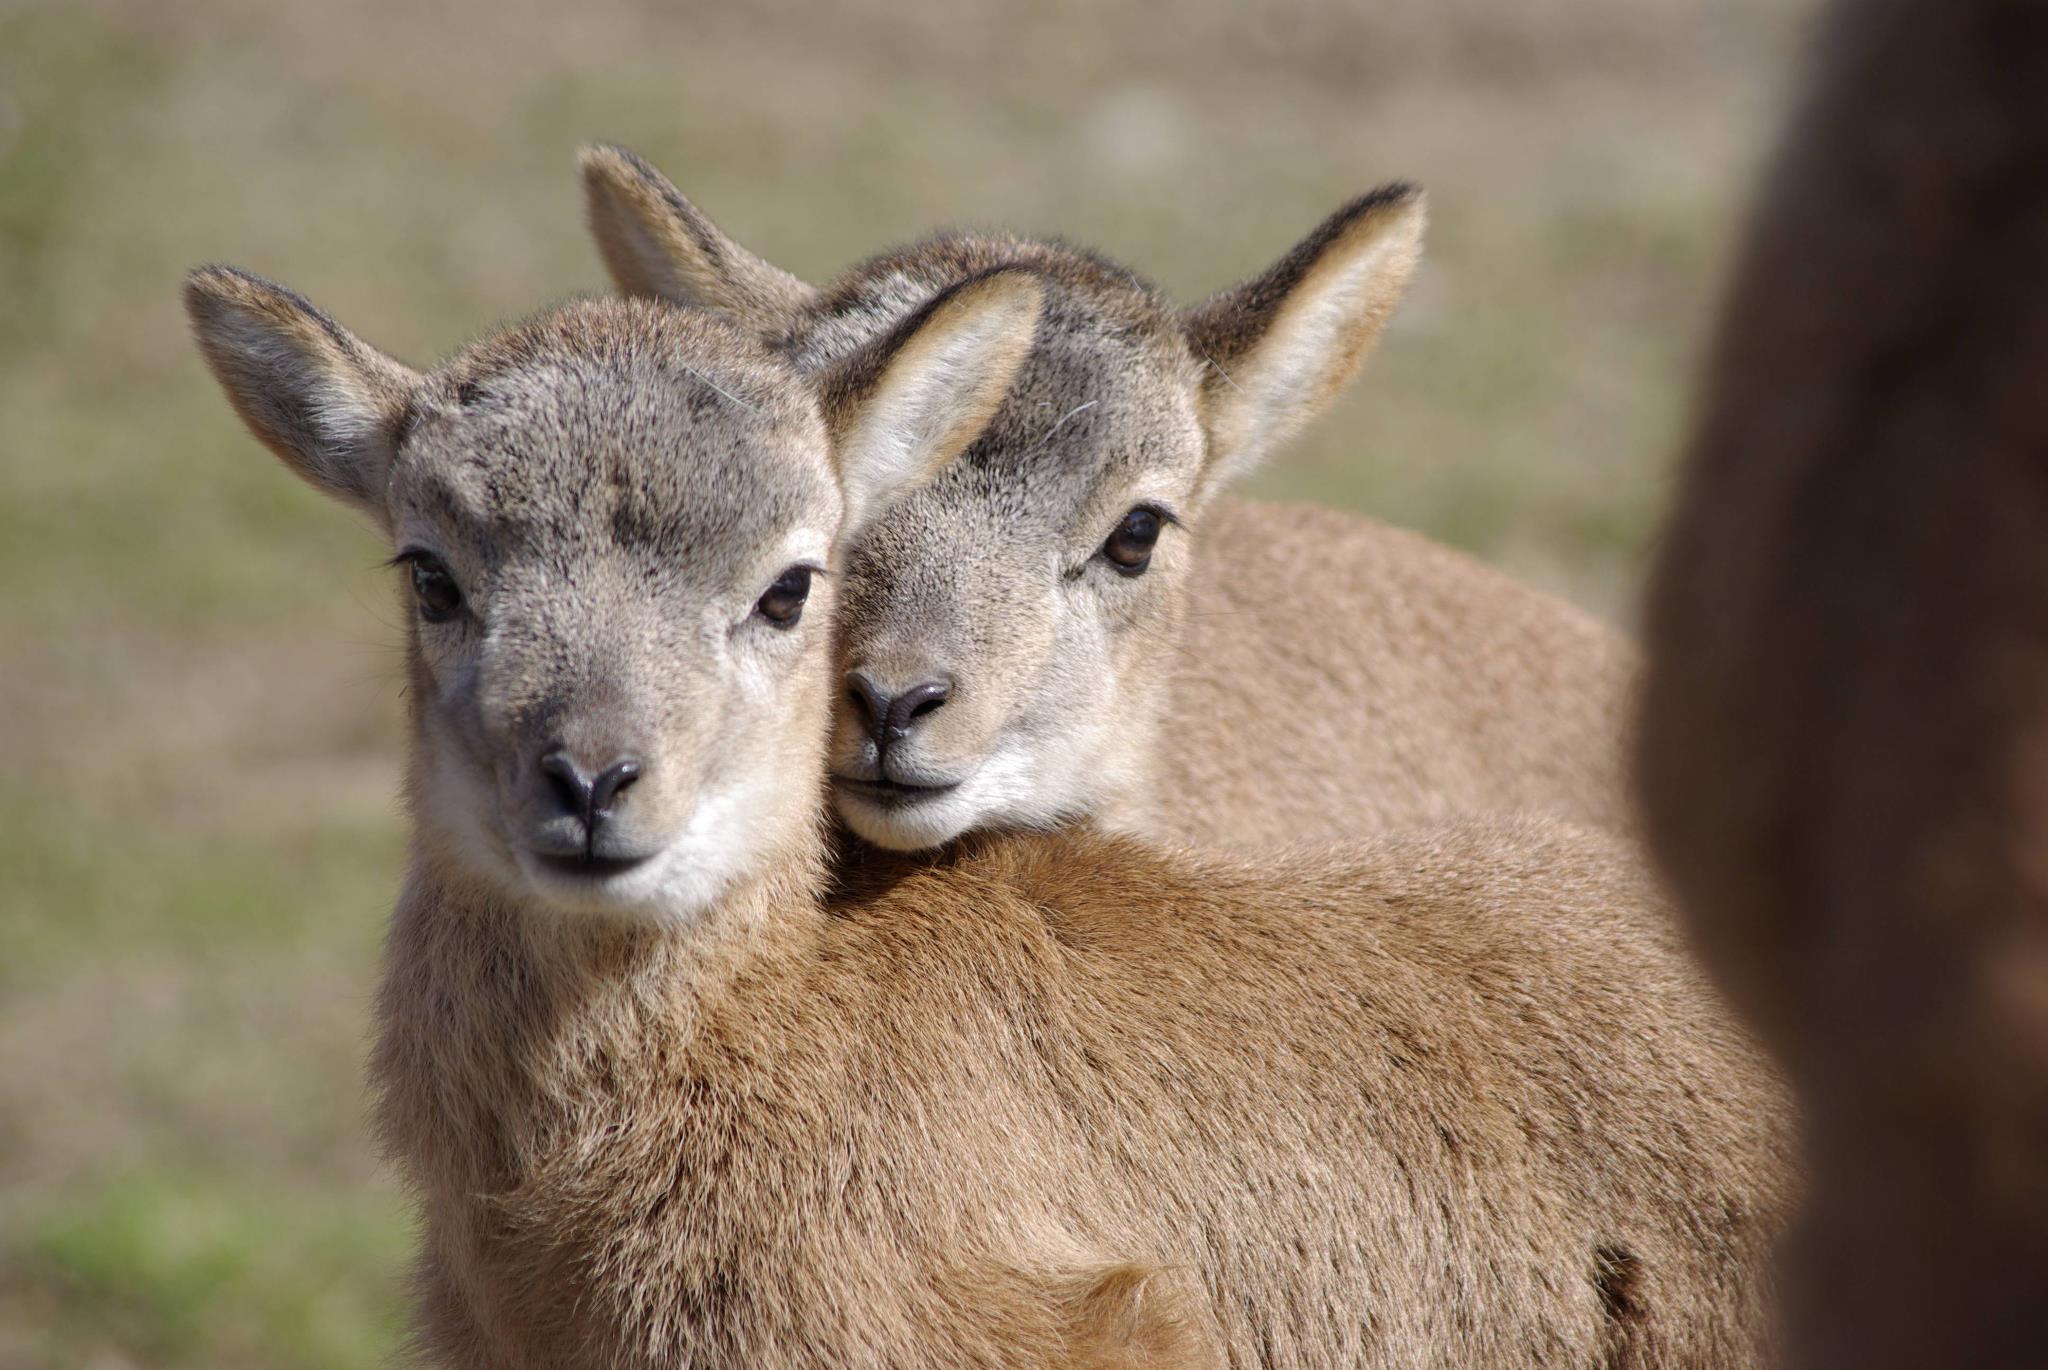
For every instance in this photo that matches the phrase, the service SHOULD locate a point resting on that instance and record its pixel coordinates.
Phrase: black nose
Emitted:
(891, 720)
(582, 796)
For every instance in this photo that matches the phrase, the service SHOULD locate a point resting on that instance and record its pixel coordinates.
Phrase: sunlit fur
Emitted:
(1457, 1099)
(1279, 673)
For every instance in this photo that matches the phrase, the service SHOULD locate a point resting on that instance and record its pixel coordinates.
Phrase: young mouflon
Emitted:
(669, 1093)
(1074, 620)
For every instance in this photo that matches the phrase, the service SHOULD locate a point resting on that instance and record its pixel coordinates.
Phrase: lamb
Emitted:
(673, 1091)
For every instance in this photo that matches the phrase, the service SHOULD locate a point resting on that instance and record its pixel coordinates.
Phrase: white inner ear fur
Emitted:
(935, 394)
(654, 242)
(646, 250)
(662, 263)
(355, 433)
(1317, 338)
(280, 369)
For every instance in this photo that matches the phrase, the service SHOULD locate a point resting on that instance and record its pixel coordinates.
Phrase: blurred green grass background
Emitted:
(198, 661)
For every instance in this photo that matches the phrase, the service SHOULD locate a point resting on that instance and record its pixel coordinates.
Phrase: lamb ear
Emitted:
(656, 243)
(1279, 346)
(327, 403)
(909, 402)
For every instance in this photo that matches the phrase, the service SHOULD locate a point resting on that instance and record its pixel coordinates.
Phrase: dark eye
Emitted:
(439, 596)
(783, 605)
(1129, 545)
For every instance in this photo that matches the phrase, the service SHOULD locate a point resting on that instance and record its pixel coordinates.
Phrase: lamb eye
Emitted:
(1129, 545)
(440, 598)
(783, 604)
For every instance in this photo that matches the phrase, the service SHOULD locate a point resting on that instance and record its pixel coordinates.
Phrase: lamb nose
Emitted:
(614, 779)
(566, 779)
(585, 798)
(913, 704)
(889, 719)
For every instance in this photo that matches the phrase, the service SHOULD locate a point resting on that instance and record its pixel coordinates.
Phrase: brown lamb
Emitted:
(669, 1093)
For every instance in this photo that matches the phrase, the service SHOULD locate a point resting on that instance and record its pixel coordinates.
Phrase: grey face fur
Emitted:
(999, 667)
(991, 582)
(608, 515)
(615, 497)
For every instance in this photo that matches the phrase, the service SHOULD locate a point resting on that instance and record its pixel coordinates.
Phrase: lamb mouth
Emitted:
(894, 794)
(589, 865)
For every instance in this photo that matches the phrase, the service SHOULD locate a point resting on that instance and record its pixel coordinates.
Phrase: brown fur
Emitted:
(1457, 1099)
(1278, 673)
(1842, 738)
(1401, 1108)
(1405, 721)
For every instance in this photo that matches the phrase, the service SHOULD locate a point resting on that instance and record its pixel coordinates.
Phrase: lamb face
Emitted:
(618, 524)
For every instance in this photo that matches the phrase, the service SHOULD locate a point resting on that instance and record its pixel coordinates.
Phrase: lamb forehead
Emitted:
(1104, 400)
(631, 427)
(1087, 421)
(1084, 295)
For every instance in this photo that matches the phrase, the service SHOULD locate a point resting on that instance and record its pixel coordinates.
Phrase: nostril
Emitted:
(870, 705)
(614, 781)
(570, 786)
(914, 703)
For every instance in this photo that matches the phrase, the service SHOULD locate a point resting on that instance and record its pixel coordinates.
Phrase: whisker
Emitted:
(719, 388)
(1221, 372)
(1063, 419)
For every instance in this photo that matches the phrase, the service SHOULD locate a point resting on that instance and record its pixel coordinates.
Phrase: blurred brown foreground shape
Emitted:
(1843, 751)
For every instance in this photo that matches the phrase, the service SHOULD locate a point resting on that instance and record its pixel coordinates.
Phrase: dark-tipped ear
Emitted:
(656, 243)
(907, 403)
(326, 402)
(1280, 346)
